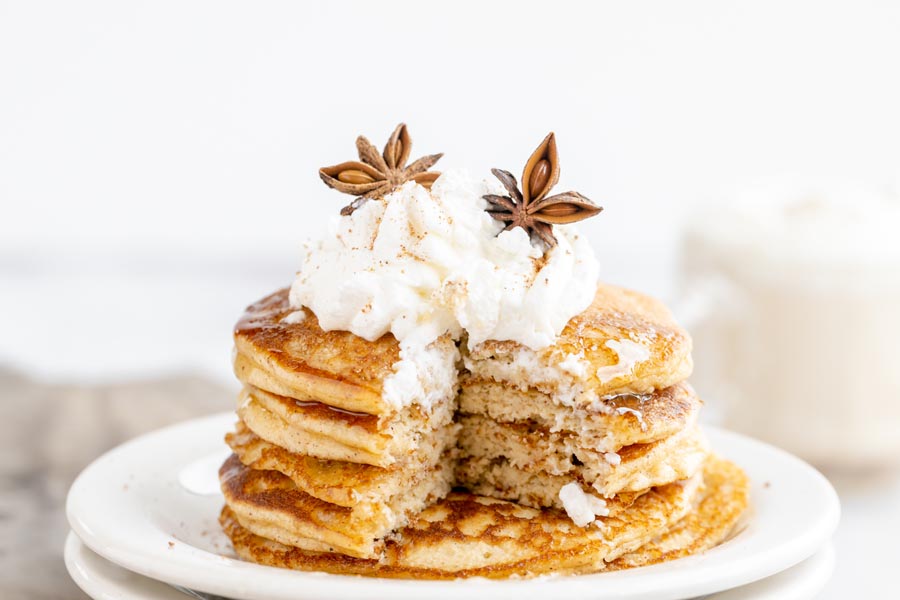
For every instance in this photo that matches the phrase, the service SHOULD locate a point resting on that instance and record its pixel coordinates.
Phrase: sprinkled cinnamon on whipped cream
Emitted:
(423, 263)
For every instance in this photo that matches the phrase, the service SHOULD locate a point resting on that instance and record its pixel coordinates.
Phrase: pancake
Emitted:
(499, 479)
(534, 450)
(316, 429)
(358, 486)
(624, 343)
(347, 449)
(719, 516)
(269, 504)
(611, 423)
(466, 535)
(285, 352)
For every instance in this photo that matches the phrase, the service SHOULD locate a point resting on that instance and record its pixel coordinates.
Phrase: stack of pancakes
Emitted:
(580, 457)
(325, 459)
(605, 408)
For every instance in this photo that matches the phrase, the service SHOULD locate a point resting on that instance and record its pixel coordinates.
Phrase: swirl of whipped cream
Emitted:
(420, 264)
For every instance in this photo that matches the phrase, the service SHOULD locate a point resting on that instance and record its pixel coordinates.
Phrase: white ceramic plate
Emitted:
(102, 580)
(151, 506)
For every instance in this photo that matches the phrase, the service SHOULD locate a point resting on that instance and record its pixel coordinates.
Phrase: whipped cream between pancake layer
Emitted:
(421, 264)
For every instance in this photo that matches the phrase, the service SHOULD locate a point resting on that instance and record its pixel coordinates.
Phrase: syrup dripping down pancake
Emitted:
(285, 352)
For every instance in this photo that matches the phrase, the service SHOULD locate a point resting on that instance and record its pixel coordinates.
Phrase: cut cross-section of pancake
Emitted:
(499, 479)
(466, 535)
(271, 505)
(624, 342)
(285, 352)
(485, 443)
(316, 429)
(337, 396)
(364, 488)
(606, 426)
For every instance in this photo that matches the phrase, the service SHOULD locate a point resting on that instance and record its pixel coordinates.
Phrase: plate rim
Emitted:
(814, 573)
(227, 576)
(95, 584)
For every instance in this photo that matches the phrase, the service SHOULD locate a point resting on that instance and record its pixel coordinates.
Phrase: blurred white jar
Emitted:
(794, 292)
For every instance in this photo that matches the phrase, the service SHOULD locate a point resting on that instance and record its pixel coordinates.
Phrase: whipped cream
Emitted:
(421, 263)
(582, 508)
(630, 354)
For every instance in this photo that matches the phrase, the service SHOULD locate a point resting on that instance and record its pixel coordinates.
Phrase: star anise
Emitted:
(377, 174)
(531, 208)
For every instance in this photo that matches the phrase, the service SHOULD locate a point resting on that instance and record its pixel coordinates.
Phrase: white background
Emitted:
(158, 159)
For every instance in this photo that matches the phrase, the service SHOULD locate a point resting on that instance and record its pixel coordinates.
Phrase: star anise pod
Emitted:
(375, 175)
(531, 208)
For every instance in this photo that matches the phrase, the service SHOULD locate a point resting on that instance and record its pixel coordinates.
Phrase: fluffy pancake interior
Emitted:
(339, 482)
(607, 426)
(575, 369)
(499, 479)
(466, 535)
(306, 427)
(534, 450)
(269, 504)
